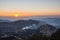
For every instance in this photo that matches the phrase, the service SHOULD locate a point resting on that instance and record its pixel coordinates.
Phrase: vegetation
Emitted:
(54, 36)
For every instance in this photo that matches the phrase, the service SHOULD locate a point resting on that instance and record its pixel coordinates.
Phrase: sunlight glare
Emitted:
(16, 15)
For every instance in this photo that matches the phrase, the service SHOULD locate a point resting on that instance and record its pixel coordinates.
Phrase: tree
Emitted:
(56, 35)
(39, 37)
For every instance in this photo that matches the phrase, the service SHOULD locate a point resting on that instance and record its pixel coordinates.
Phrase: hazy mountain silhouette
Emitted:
(3, 20)
(15, 25)
(47, 29)
(13, 29)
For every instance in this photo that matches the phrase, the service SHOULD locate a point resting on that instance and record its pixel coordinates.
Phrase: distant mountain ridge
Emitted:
(16, 25)
(26, 28)
(3, 20)
(14, 28)
(47, 29)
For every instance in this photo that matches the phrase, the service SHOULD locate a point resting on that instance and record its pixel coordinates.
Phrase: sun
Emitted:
(16, 15)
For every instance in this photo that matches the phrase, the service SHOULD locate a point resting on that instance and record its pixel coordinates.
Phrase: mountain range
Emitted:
(21, 29)
(25, 28)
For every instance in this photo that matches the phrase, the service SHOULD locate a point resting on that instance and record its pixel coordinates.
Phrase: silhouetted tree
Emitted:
(56, 35)
(9, 38)
(39, 37)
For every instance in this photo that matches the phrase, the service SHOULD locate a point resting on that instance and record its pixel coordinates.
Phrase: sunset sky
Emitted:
(29, 7)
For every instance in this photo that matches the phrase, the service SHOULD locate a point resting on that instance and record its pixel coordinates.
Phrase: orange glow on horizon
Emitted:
(18, 14)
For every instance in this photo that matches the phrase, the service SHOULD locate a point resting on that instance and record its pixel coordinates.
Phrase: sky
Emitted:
(29, 7)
